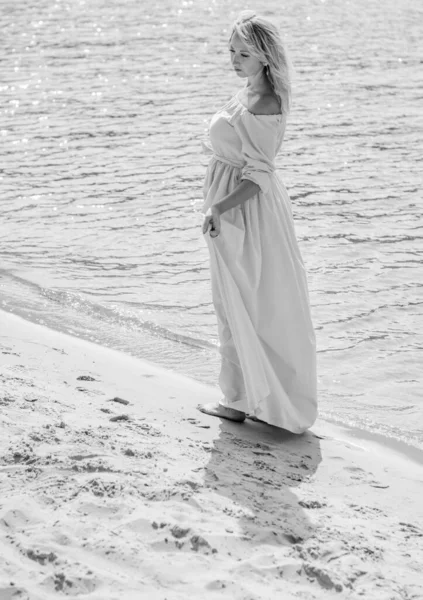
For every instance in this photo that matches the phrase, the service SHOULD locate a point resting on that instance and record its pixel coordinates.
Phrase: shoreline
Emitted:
(411, 451)
(109, 472)
(393, 445)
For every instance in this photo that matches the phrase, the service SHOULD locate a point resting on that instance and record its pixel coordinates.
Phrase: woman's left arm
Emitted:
(245, 190)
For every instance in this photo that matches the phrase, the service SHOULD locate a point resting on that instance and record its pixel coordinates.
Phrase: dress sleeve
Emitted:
(260, 136)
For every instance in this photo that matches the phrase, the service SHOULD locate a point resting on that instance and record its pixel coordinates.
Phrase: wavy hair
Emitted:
(264, 41)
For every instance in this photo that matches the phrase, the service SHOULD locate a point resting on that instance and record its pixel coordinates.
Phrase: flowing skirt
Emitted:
(260, 295)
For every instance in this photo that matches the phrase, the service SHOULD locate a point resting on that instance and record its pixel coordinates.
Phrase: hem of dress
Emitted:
(258, 413)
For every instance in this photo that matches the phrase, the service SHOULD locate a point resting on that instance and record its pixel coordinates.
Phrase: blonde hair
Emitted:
(263, 39)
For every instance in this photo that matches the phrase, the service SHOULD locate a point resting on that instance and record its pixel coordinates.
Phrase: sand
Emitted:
(113, 486)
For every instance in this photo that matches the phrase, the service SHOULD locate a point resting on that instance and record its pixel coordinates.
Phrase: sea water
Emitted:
(103, 108)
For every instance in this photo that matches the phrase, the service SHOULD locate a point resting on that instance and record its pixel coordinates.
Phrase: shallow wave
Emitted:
(51, 302)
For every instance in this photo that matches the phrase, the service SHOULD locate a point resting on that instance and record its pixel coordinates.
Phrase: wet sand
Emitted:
(113, 486)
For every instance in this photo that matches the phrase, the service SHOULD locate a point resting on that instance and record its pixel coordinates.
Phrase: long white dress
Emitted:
(259, 285)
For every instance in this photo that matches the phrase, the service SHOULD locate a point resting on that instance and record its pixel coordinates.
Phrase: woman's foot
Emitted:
(217, 410)
(255, 419)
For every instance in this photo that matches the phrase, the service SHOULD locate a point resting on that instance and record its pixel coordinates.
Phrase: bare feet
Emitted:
(255, 419)
(217, 410)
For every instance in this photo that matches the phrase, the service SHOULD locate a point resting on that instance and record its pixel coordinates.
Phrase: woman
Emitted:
(259, 285)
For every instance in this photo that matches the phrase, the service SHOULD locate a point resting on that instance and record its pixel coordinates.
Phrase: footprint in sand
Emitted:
(246, 444)
(179, 532)
(101, 488)
(311, 504)
(119, 400)
(119, 418)
(128, 452)
(89, 392)
(199, 543)
(75, 586)
(196, 423)
(260, 464)
(5, 400)
(194, 485)
(41, 557)
(411, 529)
(324, 577)
(84, 456)
(261, 453)
(100, 466)
(354, 469)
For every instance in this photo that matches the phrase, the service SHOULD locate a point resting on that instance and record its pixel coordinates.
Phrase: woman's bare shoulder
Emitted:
(266, 104)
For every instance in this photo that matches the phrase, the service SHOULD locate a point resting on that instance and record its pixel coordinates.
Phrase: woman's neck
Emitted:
(258, 84)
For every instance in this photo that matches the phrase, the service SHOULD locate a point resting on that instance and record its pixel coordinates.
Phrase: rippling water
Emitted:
(103, 106)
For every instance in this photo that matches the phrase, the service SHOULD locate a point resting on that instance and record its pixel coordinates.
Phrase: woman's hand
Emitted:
(212, 222)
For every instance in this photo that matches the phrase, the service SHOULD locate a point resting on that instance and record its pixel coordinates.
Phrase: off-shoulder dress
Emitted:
(258, 279)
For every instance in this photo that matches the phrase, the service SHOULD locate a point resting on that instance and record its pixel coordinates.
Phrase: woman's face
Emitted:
(243, 62)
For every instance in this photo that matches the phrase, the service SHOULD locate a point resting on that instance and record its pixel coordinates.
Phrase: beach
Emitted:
(114, 487)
